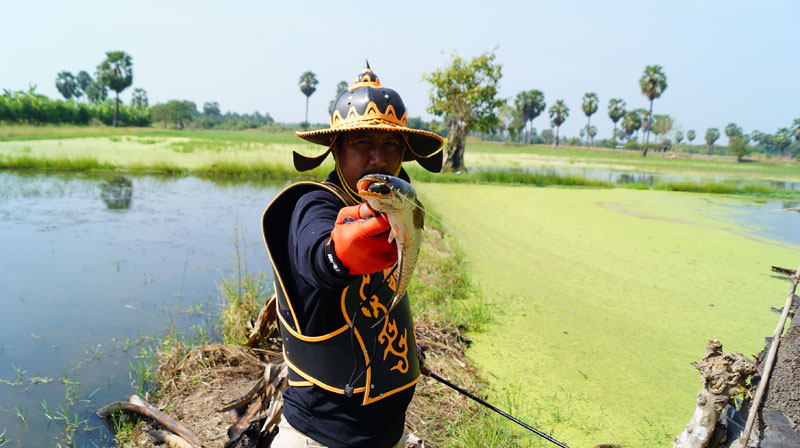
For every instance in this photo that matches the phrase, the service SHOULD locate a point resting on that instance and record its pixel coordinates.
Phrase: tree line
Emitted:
(86, 102)
(464, 93)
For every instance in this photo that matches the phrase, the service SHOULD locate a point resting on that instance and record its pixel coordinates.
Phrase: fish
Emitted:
(398, 200)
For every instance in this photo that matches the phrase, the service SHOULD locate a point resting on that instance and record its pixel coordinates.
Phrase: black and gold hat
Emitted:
(366, 105)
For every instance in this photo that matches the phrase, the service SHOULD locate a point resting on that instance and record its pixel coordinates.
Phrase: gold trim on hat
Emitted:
(372, 112)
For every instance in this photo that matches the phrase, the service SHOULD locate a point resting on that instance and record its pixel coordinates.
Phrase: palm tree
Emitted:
(558, 115)
(631, 123)
(678, 136)
(116, 72)
(592, 131)
(690, 135)
(732, 130)
(641, 115)
(530, 105)
(67, 85)
(796, 128)
(652, 83)
(308, 85)
(589, 107)
(616, 110)
(341, 87)
(712, 134)
(782, 139)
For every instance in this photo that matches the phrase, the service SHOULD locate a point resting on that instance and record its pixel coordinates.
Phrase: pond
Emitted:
(92, 269)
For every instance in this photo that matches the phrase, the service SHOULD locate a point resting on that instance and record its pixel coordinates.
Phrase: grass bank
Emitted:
(260, 155)
(492, 154)
(605, 297)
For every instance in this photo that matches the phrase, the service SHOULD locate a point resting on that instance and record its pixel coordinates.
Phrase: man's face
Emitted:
(370, 152)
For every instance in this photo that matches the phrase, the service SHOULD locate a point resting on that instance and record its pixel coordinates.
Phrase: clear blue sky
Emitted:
(720, 57)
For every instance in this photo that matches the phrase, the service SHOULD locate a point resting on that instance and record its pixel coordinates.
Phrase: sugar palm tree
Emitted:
(558, 115)
(616, 110)
(67, 85)
(589, 107)
(712, 134)
(116, 73)
(530, 105)
(690, 135)
(592, 131)
(308, 85)
(652, 83)
(341, 87)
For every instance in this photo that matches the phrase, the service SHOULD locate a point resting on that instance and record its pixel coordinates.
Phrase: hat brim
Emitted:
(425, 146)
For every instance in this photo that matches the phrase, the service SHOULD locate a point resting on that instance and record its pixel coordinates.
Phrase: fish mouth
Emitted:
(373, 188)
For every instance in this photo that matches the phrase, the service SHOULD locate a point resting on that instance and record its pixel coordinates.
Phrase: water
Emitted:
(769, 219)
(620, 177)
(91, 267)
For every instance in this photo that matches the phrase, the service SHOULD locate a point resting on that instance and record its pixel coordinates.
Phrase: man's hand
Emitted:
(360, 241)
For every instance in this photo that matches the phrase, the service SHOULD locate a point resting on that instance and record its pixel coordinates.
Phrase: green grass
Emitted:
(512, 155)
(259, 155)
(50, 132)
(603, 298)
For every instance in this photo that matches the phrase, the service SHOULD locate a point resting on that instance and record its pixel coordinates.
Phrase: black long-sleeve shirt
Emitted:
(329, 418)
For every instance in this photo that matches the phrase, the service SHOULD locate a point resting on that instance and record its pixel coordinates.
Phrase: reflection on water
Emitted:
(117, 193)
(83, 286)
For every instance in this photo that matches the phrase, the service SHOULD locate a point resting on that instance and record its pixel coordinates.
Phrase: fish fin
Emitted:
(398, 293)
(419, 215)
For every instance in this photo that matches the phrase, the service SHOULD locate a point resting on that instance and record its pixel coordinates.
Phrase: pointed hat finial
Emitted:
(366, 64)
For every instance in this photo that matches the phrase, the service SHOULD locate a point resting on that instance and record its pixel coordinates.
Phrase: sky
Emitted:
(725, 61)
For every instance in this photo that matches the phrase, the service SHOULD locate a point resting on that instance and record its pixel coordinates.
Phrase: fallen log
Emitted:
(139, 406)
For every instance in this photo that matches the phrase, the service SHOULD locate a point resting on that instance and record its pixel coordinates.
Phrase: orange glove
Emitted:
(361, 244)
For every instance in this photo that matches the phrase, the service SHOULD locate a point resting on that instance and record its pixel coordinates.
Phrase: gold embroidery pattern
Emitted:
(389, 333)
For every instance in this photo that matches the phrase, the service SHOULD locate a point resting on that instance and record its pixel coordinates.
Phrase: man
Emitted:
(349, 383)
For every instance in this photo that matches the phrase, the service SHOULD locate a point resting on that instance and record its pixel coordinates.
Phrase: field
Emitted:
(601, 295)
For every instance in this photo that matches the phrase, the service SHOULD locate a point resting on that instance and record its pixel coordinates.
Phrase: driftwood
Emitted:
(139, 406)
(171, 440)
(773, 349)
(723, 375)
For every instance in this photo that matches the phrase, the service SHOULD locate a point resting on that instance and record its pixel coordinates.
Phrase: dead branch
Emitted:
(266, 325)
(783, 271)
(723, 377)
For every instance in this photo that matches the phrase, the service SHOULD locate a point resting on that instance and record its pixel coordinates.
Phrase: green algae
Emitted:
(605, 297)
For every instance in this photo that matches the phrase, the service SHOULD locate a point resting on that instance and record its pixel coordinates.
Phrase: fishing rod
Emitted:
(427, 372)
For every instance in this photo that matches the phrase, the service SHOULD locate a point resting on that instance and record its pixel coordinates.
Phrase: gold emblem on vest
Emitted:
(389, 338)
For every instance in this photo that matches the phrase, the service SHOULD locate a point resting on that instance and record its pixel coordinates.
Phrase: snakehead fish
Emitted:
(398, 200)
